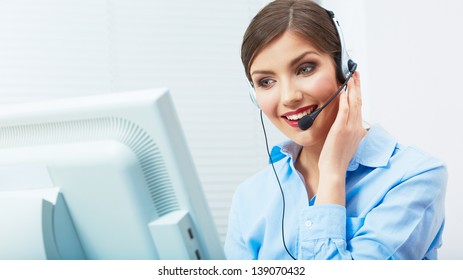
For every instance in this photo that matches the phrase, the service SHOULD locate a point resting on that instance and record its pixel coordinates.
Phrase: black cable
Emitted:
(281, 189)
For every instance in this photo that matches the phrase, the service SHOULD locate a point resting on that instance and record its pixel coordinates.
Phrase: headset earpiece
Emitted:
(347, 65)
(352, 66)
(252, 95)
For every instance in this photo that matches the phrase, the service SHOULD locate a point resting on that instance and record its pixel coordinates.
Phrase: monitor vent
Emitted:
(119, 129)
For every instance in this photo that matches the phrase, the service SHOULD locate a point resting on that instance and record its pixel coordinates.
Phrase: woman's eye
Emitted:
(306, 69)
(265, 83)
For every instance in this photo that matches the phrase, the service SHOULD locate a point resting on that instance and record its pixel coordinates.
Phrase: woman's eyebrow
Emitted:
(264, 72)
(300, 57)
(291, 64)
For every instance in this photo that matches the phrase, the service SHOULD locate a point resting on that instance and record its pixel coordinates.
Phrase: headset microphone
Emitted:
(306, 121)
(347, 67)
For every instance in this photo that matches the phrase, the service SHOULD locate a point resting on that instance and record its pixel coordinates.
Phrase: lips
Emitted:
(295, 116)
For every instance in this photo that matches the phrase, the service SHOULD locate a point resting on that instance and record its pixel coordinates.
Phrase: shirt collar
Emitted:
(284, 149)
(375, 149)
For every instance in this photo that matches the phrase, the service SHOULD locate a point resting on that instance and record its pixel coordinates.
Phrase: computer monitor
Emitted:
(101, 177)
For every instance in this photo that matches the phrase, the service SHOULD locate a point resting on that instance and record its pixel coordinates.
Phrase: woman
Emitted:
(335, 190)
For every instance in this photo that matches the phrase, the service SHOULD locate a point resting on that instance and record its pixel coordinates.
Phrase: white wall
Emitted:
(413, 59)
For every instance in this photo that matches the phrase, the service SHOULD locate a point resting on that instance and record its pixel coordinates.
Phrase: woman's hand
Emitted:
(340, 145)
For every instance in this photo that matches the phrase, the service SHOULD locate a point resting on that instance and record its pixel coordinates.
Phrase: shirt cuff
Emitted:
(323, 221)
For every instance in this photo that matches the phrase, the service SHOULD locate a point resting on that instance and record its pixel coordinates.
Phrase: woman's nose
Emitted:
(291, 95)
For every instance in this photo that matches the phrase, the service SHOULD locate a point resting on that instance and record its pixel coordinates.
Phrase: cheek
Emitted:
(268, 103)
(322, 87)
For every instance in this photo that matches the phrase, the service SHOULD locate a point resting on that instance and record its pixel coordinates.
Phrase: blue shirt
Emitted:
(394, 208)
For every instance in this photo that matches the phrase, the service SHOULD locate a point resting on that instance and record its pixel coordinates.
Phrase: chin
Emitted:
(306, 142)
(311, 137)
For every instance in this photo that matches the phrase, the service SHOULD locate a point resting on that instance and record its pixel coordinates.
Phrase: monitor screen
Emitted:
(101, 177)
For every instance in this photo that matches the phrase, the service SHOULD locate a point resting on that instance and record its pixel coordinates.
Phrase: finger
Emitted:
(343, 111)
(355, 99)
(357, 87)
(353, 88)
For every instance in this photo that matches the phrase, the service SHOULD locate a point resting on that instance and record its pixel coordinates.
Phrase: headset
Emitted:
(346, 68)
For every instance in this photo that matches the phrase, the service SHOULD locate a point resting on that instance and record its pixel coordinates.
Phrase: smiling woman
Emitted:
(294, 67)
(341, 191)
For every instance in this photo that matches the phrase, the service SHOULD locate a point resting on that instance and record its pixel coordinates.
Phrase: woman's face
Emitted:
(292, 78)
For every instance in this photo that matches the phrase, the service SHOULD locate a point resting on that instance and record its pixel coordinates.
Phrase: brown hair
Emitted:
(304, 17)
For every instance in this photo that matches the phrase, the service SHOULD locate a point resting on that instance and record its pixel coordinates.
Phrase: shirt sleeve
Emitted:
(406, 223)
(323, 233)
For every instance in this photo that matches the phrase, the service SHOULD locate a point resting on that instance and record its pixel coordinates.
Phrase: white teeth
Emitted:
(299, 116)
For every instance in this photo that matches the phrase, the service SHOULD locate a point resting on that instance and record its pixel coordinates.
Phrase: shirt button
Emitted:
(308, 223)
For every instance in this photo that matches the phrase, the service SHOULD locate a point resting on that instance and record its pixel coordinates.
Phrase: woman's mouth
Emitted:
(293, 117)
(298, 114)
